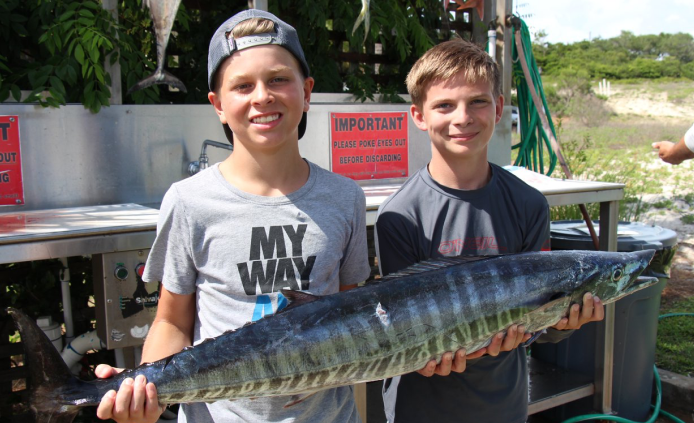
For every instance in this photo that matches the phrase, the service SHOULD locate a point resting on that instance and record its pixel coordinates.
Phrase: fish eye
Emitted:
(617, 274)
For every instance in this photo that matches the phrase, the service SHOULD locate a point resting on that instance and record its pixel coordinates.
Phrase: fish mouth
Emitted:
(644, 282)
(641, 282)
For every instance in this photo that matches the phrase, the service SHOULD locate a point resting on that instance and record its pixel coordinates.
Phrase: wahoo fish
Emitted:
(385, 328)
(163, 13)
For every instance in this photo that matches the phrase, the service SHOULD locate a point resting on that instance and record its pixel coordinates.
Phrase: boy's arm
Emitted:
(171, 331)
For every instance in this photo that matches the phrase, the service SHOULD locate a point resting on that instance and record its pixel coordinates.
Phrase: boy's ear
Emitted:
(308, 87)
(216, 101)
(499, 108)
(418, 117)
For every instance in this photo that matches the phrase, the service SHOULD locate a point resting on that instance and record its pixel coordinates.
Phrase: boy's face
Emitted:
(459, 117)
(262, 95)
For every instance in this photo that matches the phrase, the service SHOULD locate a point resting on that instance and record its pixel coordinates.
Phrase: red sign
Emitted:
(11, 186)
(369, 145)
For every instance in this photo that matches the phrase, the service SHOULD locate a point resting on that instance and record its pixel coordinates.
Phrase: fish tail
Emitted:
(158, 77)
(47, 373)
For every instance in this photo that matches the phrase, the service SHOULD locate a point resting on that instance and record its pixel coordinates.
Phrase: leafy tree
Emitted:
(624, 56)
(56, 49)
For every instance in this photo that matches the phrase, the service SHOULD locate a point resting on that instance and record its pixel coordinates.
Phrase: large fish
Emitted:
(380, 330)
(163, 13)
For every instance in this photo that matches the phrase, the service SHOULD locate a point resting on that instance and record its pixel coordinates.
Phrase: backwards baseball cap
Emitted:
(223, 45)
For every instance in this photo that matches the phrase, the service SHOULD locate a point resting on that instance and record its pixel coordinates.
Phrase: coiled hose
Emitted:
(535, 142)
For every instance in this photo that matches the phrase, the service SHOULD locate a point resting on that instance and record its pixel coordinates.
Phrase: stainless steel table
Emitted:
(58, 233)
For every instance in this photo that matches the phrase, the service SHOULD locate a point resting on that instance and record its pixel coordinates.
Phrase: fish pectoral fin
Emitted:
(548, 314)
(297, 298)
(295, 399)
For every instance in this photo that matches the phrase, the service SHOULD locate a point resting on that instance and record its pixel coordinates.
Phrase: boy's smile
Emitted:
(459, 117)
(262, 96)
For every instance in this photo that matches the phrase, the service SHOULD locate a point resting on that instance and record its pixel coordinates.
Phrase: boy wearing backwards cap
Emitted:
(219, 230)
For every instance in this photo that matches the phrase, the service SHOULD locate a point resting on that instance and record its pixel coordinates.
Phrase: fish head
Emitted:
(613, 275)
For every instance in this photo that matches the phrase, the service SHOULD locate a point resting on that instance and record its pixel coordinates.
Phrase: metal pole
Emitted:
(113, 70)
(260, 4)
(604, 354)
(67, 301)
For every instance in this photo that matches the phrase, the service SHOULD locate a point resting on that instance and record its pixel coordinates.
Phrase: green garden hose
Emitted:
(535, 143)
(657, 411)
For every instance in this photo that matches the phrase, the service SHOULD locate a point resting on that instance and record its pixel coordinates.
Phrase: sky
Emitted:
(569, 21)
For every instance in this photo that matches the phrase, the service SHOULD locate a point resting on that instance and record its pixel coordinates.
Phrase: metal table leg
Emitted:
(604, 351)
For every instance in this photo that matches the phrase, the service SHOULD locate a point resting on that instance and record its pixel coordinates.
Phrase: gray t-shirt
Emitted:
(427, 220)
(236, 250)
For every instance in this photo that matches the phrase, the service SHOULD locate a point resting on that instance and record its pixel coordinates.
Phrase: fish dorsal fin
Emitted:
(297, 298)
(434, 264)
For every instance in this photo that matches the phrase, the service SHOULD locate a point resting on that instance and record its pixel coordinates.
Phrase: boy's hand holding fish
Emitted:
(136, 400)
(503, 341)
(592, 310)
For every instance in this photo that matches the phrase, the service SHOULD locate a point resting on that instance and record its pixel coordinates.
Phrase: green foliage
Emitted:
(404, 30)
(57, 49)
(571, 94)
(589, 162)
(689, 199)
(664, 204)
(619, 151)
(34, 287)
(625, 56)
(675, 342)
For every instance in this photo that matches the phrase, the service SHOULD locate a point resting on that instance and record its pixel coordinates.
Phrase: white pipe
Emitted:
(52, 330)
(67, 301)
(75, 350)
(491, 34)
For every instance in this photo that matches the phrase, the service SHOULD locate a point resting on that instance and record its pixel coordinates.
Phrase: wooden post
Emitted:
(360, 399)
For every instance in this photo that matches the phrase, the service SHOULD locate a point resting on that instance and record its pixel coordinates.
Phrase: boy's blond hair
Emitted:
(253, 26)
(445, 60)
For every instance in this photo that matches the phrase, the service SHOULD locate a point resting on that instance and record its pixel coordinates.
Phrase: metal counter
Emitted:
(77, 231)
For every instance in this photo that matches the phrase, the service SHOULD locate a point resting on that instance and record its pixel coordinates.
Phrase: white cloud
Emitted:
(568, 21)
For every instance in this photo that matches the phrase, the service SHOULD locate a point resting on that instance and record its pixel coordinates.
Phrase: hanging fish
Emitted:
(163, 13)
(364, 16)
